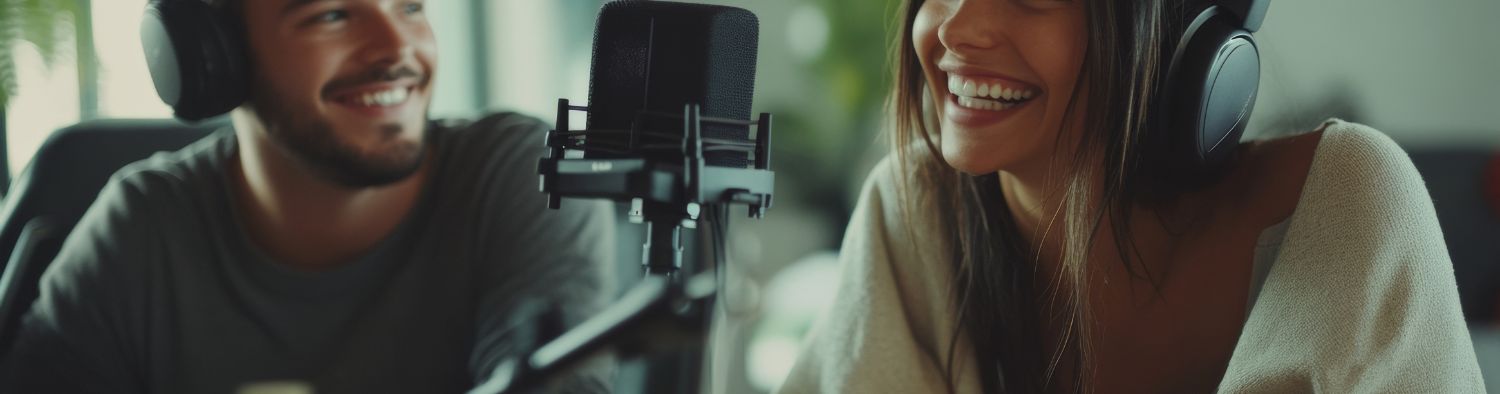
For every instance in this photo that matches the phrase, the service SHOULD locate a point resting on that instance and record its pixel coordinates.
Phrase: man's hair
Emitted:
(230, 7)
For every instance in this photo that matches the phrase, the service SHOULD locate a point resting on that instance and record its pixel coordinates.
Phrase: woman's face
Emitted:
(1001, 73)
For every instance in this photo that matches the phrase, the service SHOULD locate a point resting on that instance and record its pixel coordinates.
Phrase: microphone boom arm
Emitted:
(666, 196)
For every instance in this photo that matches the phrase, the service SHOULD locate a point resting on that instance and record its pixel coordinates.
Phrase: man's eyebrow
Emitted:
(295, 4)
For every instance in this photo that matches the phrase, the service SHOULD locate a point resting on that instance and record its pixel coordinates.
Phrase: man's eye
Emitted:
(331, 16)
(414, 8)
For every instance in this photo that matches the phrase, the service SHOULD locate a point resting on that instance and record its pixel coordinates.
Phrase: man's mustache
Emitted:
(375, 75)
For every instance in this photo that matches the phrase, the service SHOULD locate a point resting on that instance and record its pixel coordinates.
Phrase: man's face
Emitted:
(343, 85)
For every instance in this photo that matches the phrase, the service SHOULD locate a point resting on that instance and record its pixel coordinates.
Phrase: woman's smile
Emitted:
(979, 99)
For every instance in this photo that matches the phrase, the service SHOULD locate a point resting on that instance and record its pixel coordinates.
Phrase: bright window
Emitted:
(45, 100)
(49, 98)
(125, 89)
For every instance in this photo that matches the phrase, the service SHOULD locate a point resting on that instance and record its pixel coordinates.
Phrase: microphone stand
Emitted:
(670, 309)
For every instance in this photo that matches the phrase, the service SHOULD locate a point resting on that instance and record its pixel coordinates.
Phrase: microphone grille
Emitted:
(658, 56)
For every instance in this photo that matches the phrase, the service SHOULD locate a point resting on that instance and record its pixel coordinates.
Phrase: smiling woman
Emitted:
(1053, 237)
(1043, 53)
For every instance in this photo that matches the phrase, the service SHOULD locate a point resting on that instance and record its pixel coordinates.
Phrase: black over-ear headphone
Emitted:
(196, 54)
(1208, 90)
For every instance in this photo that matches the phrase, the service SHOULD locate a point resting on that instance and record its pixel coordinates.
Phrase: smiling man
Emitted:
(335, 237)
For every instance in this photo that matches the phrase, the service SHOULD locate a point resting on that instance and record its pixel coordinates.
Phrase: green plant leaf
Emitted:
(46, 24)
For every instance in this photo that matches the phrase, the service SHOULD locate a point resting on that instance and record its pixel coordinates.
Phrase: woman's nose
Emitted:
(973, 24)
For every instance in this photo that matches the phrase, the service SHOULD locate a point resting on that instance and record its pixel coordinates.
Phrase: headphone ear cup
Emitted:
(1210, 90)
(196, 58)
(227, 69)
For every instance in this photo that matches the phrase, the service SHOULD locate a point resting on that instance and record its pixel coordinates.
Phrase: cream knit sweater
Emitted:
(1358, 297)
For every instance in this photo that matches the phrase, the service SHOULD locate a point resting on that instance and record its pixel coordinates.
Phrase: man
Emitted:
(335, 238)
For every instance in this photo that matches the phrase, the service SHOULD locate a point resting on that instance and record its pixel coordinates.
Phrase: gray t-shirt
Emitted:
(159, 289)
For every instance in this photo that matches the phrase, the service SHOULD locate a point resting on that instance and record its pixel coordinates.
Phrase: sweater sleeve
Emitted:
(887, 331)
(1362, 297)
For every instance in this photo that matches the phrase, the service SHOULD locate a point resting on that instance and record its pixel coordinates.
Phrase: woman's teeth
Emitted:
(989, 105)
(384, 98)
(993, 96)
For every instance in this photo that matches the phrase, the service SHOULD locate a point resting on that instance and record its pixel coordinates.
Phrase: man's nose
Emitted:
(388, 41)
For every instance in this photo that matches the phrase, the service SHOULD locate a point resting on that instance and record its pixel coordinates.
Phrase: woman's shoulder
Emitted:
(888, 187)
(895, 223)
(1354, 149)
(1364, 237)
(1351, 160)
(885, 177)
(1353, 203)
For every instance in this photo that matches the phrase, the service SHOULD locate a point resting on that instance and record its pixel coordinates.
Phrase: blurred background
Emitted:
(1423, 72)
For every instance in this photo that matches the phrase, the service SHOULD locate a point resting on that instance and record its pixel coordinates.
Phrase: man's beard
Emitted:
(313, 142)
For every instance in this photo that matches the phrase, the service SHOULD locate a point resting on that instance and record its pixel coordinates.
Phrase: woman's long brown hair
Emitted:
(999, 307)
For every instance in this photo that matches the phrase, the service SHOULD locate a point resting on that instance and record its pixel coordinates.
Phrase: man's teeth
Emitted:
(384, 98)
(964, 87)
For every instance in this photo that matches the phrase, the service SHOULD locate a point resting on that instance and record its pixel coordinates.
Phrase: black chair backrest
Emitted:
(51, 195)
(1455, 178)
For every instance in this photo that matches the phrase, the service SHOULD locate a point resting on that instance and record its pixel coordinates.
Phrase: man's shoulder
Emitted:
(149, 192)
(137, 211)
(195, 165)
(495, 128)
(501, 146)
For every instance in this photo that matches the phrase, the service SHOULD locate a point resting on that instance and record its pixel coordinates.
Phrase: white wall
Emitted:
(539, 52)
(1426, 73)
(455, 91)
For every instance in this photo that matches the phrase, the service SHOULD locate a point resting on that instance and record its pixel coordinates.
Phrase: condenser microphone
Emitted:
(669, 132)
(655, 57)
(668, 126)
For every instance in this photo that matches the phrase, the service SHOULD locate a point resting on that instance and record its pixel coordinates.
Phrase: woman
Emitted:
(1021, 241)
